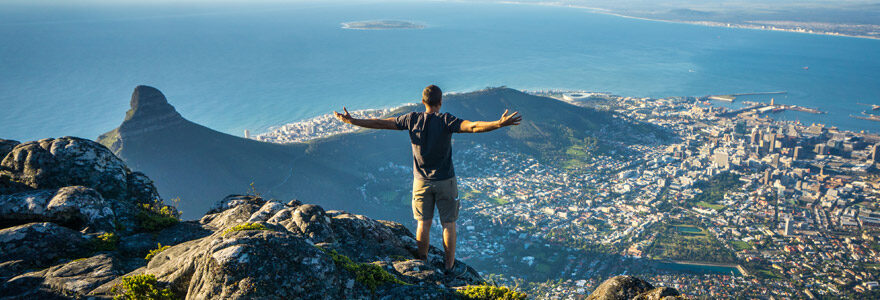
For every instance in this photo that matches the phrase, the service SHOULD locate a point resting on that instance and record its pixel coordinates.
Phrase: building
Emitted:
(788, 231)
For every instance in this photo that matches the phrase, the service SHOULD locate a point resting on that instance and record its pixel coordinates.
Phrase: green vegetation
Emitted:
(710, 206)
(104, 242)
(369, 275)
(490, 292)
(141, 287)
(157, 216)
(580, 152)
(740, 245)
(715, 189)
(498, 200)
(683, 242)
(156, 251)
(246, 226)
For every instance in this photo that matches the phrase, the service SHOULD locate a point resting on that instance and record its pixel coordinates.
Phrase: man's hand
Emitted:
(511, 119)
(366, 123)
(345, 118)
(486, 126)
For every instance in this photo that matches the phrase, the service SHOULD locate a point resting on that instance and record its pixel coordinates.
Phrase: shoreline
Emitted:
(696, 23)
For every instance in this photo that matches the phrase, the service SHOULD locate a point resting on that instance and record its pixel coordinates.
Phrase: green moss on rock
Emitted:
(490, 292)
(141, 287)
(156, 251)
(370, 275)
(155, 217)
(246, 226)
(104, 242)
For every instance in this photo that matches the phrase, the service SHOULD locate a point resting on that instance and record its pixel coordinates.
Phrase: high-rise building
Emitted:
(247, 134)
(788, 228)
(797, 152)
(755, 136)
(875, 153)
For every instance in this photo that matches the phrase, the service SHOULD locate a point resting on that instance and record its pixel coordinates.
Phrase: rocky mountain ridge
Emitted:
(77, 223)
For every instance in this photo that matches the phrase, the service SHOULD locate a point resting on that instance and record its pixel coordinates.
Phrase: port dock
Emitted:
(732, 97)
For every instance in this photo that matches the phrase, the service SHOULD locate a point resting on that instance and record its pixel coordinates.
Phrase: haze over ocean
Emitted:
(70, 70)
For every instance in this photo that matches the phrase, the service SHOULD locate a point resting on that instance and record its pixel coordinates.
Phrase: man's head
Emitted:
(432, 96)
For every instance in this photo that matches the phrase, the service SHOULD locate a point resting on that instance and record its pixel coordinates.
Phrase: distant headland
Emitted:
(381, 25)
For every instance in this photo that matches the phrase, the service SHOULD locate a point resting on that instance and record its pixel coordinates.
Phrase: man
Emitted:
(434, 181)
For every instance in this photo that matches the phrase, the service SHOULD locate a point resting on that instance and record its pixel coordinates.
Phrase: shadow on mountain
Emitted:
(198, 164)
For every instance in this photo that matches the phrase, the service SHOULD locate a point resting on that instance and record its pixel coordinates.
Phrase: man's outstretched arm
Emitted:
(486, 126)
(366, 123)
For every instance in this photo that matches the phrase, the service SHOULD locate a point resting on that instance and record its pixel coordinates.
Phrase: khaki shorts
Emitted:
(443, 194)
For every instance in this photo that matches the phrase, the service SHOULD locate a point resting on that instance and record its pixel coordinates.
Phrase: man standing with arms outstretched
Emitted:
(434, 181)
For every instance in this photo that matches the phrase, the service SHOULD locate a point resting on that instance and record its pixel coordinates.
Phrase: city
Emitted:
(740, 206)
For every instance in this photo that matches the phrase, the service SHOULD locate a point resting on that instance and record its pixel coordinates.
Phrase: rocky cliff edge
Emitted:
(76, 223)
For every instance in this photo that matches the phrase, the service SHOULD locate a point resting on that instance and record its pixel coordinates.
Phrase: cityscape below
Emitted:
(742, 206)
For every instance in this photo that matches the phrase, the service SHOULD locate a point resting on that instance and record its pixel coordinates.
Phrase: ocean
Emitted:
(69, 69)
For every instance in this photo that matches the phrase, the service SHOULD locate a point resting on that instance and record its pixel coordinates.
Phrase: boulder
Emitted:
(6, 147)
(622, 287)
(76, 278)
(40, 244)
(55, 163)
(76, 207)
(664, 293)
(141, 243)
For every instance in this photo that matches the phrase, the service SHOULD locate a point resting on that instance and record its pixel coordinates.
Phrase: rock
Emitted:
(78, 277)
(140, 244)
(67, 161)
(259, 264)
(658, 294)
(40, 244)
(6, 147)
(76, 207)
(312, 222)
(622, 287)
(10, 268)
(231, 211)
(266, 211)
(58, 195)
(141, 189)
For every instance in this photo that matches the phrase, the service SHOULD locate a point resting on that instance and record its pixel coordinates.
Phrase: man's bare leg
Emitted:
(423, 237)
(449, 237)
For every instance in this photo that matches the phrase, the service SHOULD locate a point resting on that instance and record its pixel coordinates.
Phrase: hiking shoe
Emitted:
(458, 270)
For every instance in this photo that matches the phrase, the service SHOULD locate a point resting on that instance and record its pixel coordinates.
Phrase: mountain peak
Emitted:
(148, 102)
(149, 111)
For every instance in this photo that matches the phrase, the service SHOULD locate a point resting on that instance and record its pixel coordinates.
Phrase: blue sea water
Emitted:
(69, 69)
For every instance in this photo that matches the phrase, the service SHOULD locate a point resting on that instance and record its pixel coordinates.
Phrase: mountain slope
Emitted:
(197, 164)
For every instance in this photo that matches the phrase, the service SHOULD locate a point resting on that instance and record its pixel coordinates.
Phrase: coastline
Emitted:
(697, 23)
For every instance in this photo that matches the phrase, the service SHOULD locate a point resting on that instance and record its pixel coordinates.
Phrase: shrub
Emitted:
(157, 216)
(246, 226)
(141, 287)
(156, 251)
(490, 292)
(104, 242)
(369, 275)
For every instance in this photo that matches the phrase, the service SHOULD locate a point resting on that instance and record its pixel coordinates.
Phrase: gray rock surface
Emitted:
(6, 147)
(75, 278)
(627, 287)
(70, 213)
(659, 293)
(67, 161)
(77, 207)
(40, 244)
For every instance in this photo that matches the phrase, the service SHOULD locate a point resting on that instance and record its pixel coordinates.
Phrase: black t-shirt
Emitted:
(431, 137)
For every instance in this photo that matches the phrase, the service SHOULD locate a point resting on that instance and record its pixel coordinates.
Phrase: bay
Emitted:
(69, 69)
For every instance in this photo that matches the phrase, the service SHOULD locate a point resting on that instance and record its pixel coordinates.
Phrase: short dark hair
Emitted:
(432, 95)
